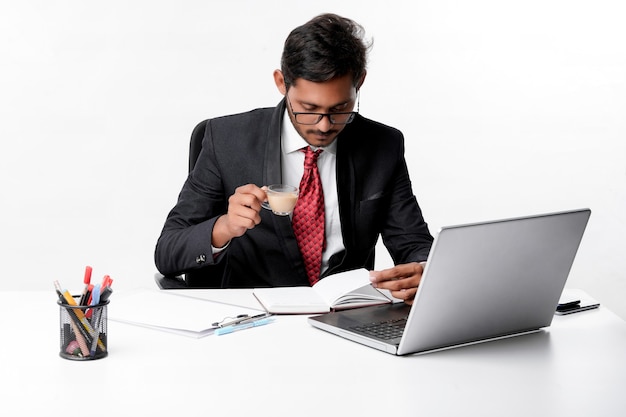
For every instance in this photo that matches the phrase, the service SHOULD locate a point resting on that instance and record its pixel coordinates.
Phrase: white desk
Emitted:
(287, 368)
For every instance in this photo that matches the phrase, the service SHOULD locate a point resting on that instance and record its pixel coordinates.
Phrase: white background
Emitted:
(508, 108)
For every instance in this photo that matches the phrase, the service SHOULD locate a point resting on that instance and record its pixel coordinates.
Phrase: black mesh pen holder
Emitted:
(83, 331)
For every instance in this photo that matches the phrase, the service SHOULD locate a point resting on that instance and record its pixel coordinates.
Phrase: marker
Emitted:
(237, 327)
(97, 317)
(100, 294)
(105, 294)
(95, 295)
(87, 281)
(84, 301)
(106, 281)
(94, 300)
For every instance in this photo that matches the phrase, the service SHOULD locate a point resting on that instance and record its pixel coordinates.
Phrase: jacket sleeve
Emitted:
(405, 232)
(185, 240)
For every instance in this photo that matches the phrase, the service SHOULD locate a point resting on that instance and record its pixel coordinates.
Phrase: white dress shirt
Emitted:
(292, 171)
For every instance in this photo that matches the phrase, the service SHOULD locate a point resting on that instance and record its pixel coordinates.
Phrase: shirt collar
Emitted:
(293, 142)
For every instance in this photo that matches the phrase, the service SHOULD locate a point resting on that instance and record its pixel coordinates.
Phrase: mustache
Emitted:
(320, 133)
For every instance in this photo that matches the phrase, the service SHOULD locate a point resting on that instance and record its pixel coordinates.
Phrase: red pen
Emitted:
(106, 281)
(87, 281)
(88, 295)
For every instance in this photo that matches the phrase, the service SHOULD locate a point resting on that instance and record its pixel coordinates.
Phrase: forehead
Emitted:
(324, 94)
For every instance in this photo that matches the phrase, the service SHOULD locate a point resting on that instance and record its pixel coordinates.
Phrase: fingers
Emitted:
(398, 277)
(407, 295)
(242, 214)
(248, 195)
(244, 206)
(402, 280)
(243, 210)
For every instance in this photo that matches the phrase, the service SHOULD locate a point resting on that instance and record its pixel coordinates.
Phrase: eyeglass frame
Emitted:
(322, 115)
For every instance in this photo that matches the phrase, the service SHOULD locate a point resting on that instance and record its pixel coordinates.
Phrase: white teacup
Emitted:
(282, 198)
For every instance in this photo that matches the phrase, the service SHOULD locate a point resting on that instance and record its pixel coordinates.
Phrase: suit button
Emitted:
(201, 259)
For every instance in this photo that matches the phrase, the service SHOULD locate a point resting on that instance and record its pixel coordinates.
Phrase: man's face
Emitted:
(335, 96)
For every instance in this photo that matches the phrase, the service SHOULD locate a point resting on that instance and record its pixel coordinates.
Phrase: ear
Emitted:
(279, 80)
(361, 81)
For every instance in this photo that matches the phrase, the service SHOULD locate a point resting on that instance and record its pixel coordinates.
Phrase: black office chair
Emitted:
(187, 281)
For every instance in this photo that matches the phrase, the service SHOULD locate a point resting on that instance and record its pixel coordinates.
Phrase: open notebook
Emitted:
(340, 291)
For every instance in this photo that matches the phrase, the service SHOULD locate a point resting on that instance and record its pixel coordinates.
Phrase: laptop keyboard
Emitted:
(389, 329)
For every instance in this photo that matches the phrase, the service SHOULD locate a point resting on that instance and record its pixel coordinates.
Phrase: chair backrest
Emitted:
(195, 144)
(190, 281)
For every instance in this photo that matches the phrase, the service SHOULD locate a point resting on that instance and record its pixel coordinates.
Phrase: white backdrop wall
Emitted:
(508, 108)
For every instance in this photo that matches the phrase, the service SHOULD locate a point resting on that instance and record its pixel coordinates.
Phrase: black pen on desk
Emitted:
(243, 326)
(255, 318)
(244, 318)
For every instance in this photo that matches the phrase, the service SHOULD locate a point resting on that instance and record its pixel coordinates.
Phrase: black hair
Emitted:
(326, 47)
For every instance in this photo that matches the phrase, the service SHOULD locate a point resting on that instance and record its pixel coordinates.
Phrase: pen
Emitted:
(78, 317)
(242, 319)
(237, 327)
(87, 281)
(105, 294)
(82, 343)
(106, 282)
(94, 300)
(95, 295)
(84, 301)
(97, 318)
(82, 337)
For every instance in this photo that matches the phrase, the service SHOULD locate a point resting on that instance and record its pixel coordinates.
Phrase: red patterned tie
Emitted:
(308, 216)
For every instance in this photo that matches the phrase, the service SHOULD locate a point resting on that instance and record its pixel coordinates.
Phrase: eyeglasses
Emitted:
(338, 118)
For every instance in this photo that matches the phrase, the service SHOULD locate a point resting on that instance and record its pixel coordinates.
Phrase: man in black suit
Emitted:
(219, 234)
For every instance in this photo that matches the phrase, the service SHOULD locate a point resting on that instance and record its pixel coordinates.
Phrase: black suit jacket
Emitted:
(374, 192)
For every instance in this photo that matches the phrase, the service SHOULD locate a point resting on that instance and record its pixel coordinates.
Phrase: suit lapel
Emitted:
(273, 165)
(346, 183)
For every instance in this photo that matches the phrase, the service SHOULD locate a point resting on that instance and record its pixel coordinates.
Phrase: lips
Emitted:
(323, 136)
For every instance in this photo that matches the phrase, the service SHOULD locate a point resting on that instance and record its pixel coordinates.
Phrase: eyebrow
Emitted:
(316, 106)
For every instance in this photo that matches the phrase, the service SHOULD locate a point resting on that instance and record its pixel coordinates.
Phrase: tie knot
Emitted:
(310, 157)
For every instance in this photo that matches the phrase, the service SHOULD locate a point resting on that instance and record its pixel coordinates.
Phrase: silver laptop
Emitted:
(483, 281)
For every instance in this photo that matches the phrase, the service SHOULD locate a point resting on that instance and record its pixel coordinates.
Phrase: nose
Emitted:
(325, 124)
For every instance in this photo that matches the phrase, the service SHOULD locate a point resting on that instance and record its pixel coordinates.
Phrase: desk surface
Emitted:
(575, 367)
